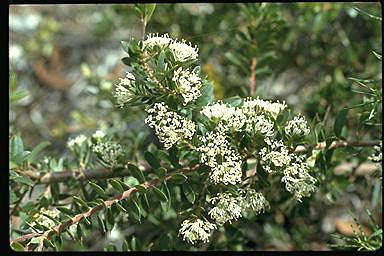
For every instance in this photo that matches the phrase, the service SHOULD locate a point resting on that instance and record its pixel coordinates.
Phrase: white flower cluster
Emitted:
(229, 208)
(230, 117)
(98, 135)
(43, 220)
(188, 84)
(254, 200)
(297, 179)
(215, 146)
(297, 127)
(181, 50)
(377, 155)
(109, 152)
(276, 157)
(121, 94)
(76, 142)
(155, 39)
(196, 230)
(169, 126)
(255, 106)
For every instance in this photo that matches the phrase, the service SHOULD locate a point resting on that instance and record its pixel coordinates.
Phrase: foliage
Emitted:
(232, 173)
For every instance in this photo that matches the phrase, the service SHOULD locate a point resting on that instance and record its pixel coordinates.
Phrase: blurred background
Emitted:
(65, 59)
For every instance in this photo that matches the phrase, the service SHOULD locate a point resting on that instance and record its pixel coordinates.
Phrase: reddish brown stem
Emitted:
(107, 203)
(252, 80)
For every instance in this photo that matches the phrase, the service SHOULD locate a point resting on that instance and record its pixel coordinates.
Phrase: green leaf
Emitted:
(99, 190)
(116, 185)
(174, 156)
(178, 178)
(136, 172)
(101, 224)
(160, 194)
(125, 246)
(340, 122)
(80, 201)
(141, 189)
(65, 210)
(161, 172)
(152, 160)
(120, 207)
(134, 243)
(17, 246)
(148, 11)
(188, 192)
(125, 46)
(134, 207)
(36, 151)
(160, 61)
(17, 146)
(23, 179)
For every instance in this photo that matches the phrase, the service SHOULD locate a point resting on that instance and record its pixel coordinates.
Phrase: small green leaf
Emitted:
(125, 246)
(101, 224)
(160, 172)
(160, 61)
(116, 185)
(125, 46)
(17, 246)
(148, 11)
(17, 146)
(134, 244)
(174, 156)
(136, 172)
(178, 178)
(99, 190)
(65, 210)
(120, 207)
(80, 201)
(141, 189)
(160, 194)
(340, 122)
(188, 192)
(152, 160)
(36, 151)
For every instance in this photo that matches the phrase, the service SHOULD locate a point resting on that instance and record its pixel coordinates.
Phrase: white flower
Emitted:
(298, 181)
(215, 145)
(278, 156)
(254, 200)
(377, 155)
(169, 126)
(39, 218)
(78, 141)
(98, 135)
(196, 230)
(188, 84)
(109, 152)
(256, 106)
(259, 124)
(227, 208)
(297, 127)
(121, 93)
(155, 39)
(182, 51)
(230, 117)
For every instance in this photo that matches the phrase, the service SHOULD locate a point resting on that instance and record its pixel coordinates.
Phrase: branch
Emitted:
(252, 80)
(337, 144)
(107, 203)
(103, 173)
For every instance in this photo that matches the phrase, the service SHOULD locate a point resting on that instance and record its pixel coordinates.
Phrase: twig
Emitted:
(103, 173)
(76, 219)
(252, 80)
(337, 144)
